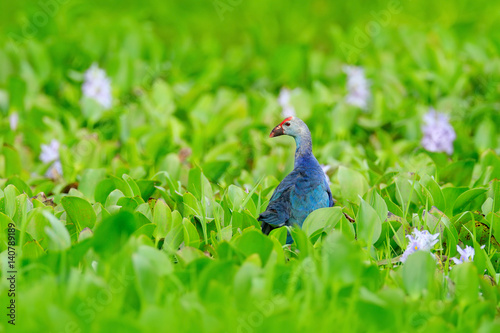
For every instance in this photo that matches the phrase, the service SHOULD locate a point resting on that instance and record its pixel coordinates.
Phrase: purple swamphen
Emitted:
(303, 190)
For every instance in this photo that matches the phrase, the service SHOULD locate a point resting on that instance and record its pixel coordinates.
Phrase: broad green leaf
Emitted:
(162, 218)
(369, 223)
(280, 234)
(341, 259)
(79, 212)
(437, 195)
(112, 233)
(20, 185)
(458, 173)
(322, 220)
(103, 189)
(418, 272)
(464, 200)
(451, 194)
(150, 265)
(59, 239)
(134, 188)
(14, 164)
(90, 180)
(466, 283)
(352, 184)
(253, 241)
(191, 205)
(191, 236)
(10, 193)
(147, 188)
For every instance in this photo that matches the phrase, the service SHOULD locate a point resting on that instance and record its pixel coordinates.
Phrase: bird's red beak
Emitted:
(277, 131)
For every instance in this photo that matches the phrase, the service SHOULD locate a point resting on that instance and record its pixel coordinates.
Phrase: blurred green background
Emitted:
(195, 89)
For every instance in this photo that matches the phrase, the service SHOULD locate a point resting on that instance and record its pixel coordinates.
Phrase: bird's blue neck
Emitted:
(304, 146)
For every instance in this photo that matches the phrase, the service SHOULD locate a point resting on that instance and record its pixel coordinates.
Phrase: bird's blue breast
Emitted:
(309, 194)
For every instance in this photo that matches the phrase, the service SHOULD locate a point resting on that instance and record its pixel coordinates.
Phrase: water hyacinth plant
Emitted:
(50, 154)
(438, 133)
(419, 241)
(358, 87)
(159, 116)
(287, 109)
(466, 255)
(97, 86)
(13, 121)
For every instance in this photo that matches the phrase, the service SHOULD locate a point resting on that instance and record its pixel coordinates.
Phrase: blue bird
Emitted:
(303, 190)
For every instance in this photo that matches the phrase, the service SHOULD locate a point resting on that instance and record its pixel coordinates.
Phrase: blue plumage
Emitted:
(303, 190)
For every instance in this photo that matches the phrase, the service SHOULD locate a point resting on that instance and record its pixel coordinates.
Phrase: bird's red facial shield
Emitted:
(278, 130)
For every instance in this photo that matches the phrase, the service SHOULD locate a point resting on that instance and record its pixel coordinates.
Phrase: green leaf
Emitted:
(451, 194)
(162, 217)
(236, 197)
(59, 238)
(150, 265)
(191, 236)
(253, 241)
(435, 190)
(112, 233)
(191, 205)
(352, 184)
(10, 193)
(147, 188)
(214, 170)
(280, 234)
(134, 188)
(380, 207)
(458, 173)
(464, 200)
(79, 212)
(90, 180)
(175, 236)
(103, 189)
(369, 223)
(322, 220)
(198, 184)
(466, 282)
(341, 259)
(418, 272)
(20, 185)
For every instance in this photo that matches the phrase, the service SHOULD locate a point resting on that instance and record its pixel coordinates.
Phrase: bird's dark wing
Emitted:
(277, 212)
(330, 197)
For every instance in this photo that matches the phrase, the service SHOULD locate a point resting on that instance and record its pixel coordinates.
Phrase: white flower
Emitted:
(287, 110)
(420, 241)
(358, 87)
(50, 153)
(13, 120)
(466, 255)
(97, 86)
(438, 133)
(325, 168)
(55, 170)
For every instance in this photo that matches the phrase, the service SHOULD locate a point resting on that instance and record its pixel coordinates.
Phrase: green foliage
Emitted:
(152, 225)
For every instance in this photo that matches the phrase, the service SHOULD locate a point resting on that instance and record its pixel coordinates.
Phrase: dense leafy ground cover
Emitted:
(150, 223)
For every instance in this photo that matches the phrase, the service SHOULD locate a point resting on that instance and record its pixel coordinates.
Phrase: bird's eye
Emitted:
(287, 124)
